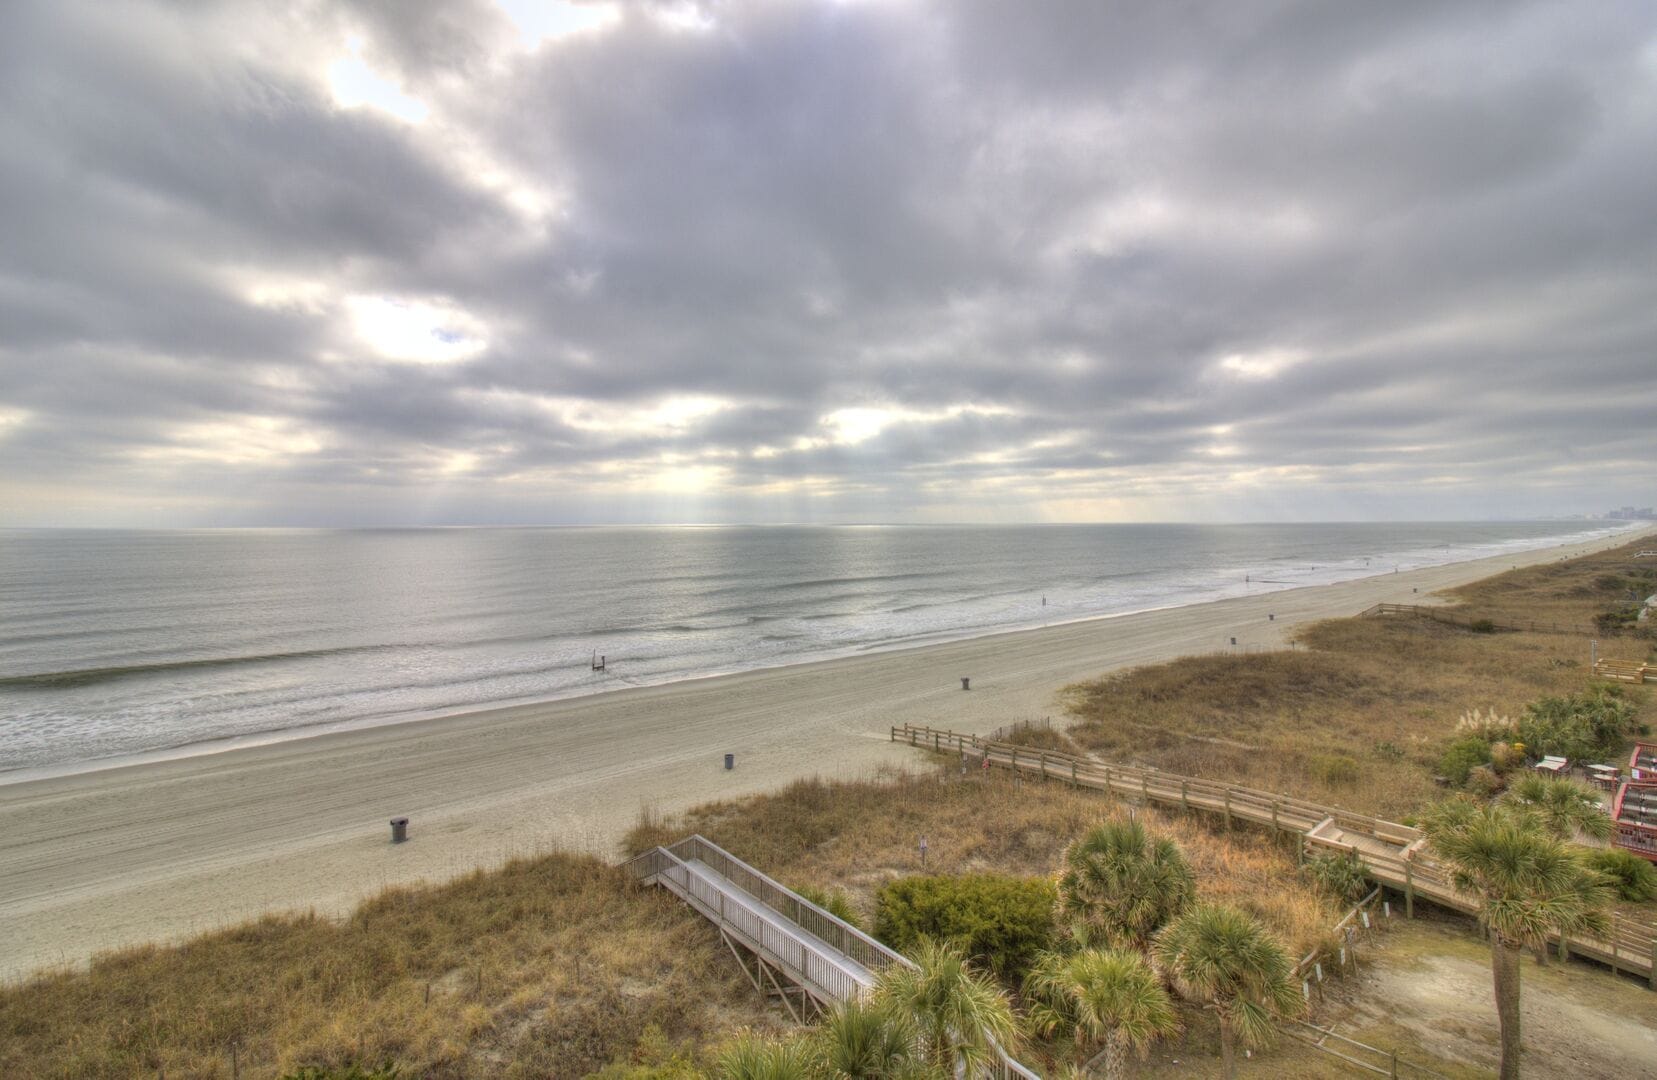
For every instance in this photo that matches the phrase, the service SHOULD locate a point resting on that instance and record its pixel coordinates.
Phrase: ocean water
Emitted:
(115, 643)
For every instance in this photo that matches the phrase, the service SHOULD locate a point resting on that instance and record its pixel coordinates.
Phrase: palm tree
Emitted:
(869, 1040)
(1119, 884)
(959, 1015)
(1562, 807)
(1528, 884)
(1108, 995)
(755, 1057)
(1224, 958)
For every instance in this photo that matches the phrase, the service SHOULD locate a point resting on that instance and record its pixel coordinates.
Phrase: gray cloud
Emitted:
(826, 261)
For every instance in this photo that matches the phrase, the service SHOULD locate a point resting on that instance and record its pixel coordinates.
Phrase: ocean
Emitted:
(122, 643)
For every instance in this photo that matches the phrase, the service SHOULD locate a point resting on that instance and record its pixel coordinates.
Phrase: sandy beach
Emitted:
(155, 851)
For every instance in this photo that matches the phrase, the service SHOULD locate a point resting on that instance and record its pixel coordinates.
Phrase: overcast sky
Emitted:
(394, 262)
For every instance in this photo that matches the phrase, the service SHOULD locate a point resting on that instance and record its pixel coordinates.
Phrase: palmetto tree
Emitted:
(1224, 958)
(755, 1057)
(1528, 884)
(1562, 807)
(870, 1040)
(1119, 884)
(1100, 995)
(959, 1015)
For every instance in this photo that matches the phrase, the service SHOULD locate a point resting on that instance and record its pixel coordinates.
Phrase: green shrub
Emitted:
(1591, 724)
(1389, 751)
(835, 902)
(1341, 876)
(1634, 879)
(1336, 770)
(1462, 757)
(1000, 922)
(1482, 626)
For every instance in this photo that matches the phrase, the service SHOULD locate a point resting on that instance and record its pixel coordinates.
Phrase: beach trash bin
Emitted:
(399, 829)
(966, 683)
(730, 761)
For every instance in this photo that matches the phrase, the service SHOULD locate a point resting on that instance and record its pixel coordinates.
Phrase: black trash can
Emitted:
(730, 761)
(399, 829)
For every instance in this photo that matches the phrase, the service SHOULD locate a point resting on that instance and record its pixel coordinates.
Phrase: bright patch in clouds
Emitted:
(538, 20)
(414, 331)
(850, 426)
(355, 84)
(1263, 364)
(247, 440)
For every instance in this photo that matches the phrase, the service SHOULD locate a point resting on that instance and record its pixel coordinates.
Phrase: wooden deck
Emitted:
(1394, 855)
(1629, 671)
(797, 952)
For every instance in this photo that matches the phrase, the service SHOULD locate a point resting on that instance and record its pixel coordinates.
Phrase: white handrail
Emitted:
(831, 973)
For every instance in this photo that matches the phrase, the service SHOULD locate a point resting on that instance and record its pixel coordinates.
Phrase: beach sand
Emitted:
(161, 850)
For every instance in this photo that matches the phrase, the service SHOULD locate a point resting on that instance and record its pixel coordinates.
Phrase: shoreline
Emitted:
(144, 852)
(249, 740)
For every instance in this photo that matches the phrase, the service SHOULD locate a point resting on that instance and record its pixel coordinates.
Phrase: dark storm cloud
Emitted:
(960, 258)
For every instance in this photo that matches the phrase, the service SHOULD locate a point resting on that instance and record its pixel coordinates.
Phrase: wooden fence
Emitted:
(1453, 618)
(1393, 855)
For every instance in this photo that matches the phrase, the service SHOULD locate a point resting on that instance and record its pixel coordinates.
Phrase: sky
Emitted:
(398, 262)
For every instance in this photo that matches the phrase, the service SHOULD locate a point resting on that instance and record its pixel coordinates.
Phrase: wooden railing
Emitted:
(824, 955)
(1399, 860)
(1631, 671)
(1454, 618)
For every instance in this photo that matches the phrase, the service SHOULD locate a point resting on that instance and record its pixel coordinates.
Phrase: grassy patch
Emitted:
(861, 835)
(1362, 715)
(551, 966)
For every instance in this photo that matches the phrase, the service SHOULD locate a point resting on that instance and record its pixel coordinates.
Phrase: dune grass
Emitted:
(1357, 716)
(857, 835)
(547, 967)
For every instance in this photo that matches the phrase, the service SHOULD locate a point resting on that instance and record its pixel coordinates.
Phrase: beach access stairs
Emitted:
(789, 948)
(1393, 855)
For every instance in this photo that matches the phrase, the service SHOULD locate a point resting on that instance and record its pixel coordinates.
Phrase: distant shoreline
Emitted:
(199, 748)
(160, 850)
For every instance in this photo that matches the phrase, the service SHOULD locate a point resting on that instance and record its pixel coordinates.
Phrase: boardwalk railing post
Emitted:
(1184, 803)
(1274, 815)
(1228, 809)
(1073, 773)
(1409, 890)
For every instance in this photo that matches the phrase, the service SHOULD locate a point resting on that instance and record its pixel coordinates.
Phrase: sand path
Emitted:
(158, 850)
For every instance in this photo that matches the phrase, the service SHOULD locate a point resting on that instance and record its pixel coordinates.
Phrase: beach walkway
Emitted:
(1394, 855)
(789, 948)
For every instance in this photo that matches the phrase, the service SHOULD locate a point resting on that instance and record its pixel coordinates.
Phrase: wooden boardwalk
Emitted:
(788, 947)
(1394, 855)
